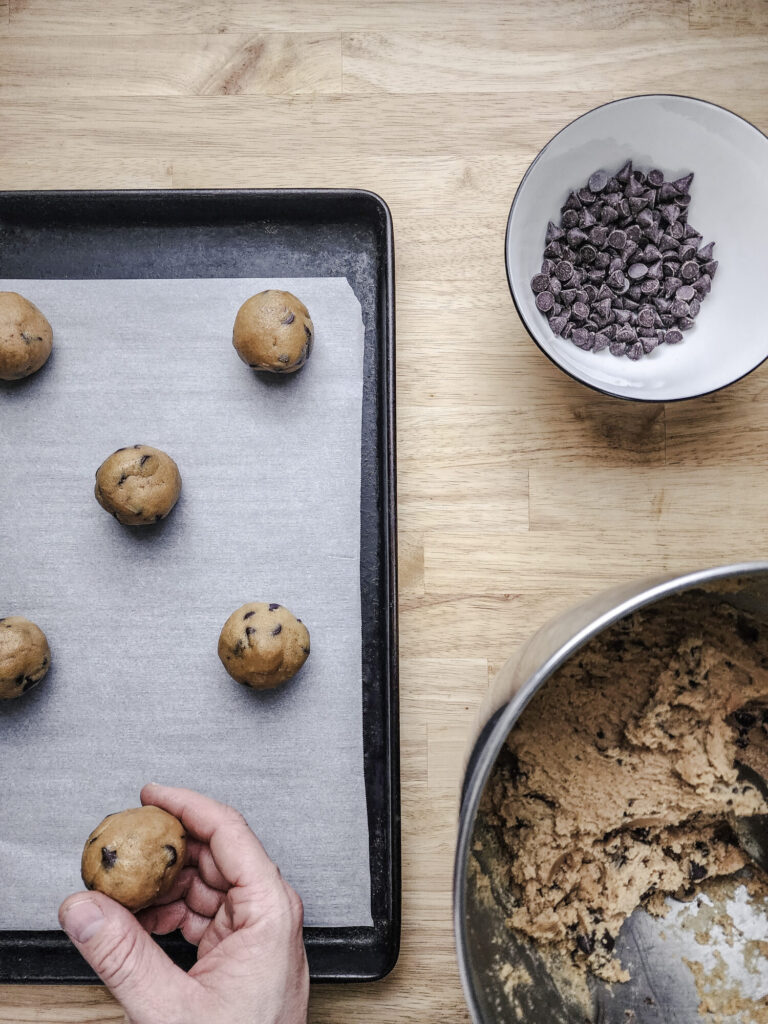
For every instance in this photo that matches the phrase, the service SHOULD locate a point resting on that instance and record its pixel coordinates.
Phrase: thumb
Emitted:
(134, 968)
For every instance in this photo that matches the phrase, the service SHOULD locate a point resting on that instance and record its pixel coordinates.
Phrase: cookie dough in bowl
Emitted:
(273, 332)
(263, 645)
(26, 337)
(24, 656)
(135, 856)
(138, 485)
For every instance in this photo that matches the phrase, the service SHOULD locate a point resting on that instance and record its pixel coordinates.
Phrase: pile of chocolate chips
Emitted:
(623, 270)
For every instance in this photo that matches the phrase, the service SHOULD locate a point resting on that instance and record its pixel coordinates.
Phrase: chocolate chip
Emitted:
(108, 857)
(623, 175)
(570, 219)
(697, 871)
(28, 684)
(172, 854)
(545, 301)
(576, 237)
(554, 233)
(598, 181)
(748, 633)
(683, 184)
(634, 352)
(637, 271)
(308, 332)
(122, 479)
(540, 283)
(690, 271)
(673, 337)
(248, 615)
(746, 719)
(288, 318)
(649, 344)
(274, 607)
(143, 459)
(249, 630)
(585, 943)
(638, 203)
(277, 630)
(557, 323)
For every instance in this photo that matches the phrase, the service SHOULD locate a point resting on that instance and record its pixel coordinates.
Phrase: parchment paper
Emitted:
(270, 510)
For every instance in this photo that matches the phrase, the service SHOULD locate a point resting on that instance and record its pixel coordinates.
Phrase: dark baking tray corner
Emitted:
(258, 233)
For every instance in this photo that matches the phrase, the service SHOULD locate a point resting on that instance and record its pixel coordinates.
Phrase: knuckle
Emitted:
(295, 907)
(234, 817)
(115, 961)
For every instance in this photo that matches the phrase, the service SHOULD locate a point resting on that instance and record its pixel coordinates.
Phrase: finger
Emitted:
(200, 856)
(161, 920)
(134, 968)
(238, 854)
(198, 896)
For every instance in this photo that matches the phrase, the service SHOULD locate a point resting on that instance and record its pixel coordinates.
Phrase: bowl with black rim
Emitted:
(727, 205)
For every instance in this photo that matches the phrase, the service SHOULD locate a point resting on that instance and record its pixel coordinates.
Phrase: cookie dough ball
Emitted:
(24, 656)
(273, 332)
(263, 645)
(26, 337)
(138, 485)
(135, 856)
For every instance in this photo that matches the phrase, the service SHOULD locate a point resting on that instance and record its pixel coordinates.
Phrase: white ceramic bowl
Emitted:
(729, 205)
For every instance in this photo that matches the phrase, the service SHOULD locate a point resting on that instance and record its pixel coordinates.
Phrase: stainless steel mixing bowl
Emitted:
(662, 989)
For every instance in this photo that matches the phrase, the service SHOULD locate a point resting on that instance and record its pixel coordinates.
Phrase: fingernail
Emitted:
(82, 920)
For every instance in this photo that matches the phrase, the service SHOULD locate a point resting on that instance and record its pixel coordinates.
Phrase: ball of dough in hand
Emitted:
(263, 645)
(24, 656)
(26, 337)
(138, 485)
(135, 856)
(273, 332)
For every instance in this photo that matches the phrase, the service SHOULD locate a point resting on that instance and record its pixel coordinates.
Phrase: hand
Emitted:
(230, 900)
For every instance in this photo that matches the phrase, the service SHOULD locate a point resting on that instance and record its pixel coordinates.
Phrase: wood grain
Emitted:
(278, 64)
(520, 492)
(551, 61)
(131, 17)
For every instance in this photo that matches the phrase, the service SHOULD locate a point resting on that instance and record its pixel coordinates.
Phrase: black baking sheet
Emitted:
(257, 233)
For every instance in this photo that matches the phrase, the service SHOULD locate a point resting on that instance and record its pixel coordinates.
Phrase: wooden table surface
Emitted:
(520, 491)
